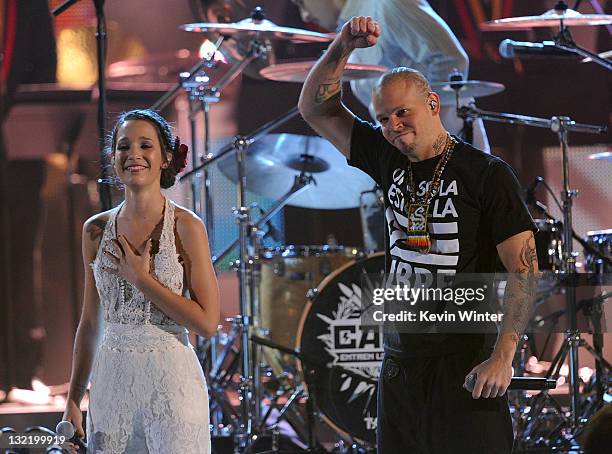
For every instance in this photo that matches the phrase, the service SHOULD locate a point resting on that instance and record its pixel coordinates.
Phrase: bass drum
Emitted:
(331, 334)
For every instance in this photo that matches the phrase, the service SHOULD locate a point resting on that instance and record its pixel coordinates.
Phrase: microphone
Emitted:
(522, 383)
(509, 48)
(530, 199)
(530, 191)
(66, 429)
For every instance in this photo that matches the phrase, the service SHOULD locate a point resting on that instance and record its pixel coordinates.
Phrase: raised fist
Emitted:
(360, 32)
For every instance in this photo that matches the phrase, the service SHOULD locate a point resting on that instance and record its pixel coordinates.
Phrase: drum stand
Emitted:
(570, 426)
(247, 268)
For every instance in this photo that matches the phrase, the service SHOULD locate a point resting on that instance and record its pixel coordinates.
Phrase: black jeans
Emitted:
(423, 409)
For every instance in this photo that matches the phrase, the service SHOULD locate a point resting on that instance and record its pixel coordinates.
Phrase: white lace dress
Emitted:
(148, 392)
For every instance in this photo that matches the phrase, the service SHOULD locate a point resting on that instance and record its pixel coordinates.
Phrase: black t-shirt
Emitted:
(478, 206)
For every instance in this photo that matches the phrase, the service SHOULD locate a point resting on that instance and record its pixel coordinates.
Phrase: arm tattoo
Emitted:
(521, 290)
(95, 229)
(328, 91)
(333, 87)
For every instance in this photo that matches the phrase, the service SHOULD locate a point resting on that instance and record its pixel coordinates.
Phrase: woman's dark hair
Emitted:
(164, 134)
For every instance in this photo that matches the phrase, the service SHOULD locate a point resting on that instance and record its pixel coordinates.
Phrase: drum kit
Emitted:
(297, 354)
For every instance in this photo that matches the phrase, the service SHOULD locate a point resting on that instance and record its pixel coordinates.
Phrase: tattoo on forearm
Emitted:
(328, 91)
(521, 290)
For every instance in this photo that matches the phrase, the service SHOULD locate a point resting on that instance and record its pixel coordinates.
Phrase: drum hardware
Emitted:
(561, 126)
(301, 182)
(308, 362)
(195, 83)
(198, 90)
(248, 241)
(273, 161)
(595, 258)
(562, 16)
(466, 89)
(529, 423)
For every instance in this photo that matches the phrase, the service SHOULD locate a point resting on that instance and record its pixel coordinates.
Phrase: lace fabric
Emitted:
(131, 306)
(148, 392)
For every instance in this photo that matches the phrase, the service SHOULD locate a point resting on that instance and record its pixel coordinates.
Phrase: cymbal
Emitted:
(162, 67)
(297, 71)
(603, 156)
(273, 161)
(469, 88)
(551, 18)
(259, 28)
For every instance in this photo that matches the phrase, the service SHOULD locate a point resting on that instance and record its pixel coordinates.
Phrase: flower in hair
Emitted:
(179, 155)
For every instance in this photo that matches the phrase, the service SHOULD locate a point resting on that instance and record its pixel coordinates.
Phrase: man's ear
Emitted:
(433, 101)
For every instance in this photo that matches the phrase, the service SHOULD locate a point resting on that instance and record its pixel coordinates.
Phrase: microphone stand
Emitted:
(101, 44)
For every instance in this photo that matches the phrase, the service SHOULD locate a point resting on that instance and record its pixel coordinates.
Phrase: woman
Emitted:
(148, 392)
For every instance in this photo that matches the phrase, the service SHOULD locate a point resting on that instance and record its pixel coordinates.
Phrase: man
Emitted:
(477, 213)
(415, 36)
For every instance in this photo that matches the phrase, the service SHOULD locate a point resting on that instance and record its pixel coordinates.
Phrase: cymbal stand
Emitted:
(467, 131)
(561, 126)
(246, 267)
(563, 40)
(301, 183)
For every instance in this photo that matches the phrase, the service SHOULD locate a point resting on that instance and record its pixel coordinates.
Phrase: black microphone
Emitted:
(530, 199)
(522, 383)
(530, 191)
(66, 429)
(509, 48)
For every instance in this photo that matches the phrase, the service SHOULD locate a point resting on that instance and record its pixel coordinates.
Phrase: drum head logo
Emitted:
(354, 347)
(346, 355)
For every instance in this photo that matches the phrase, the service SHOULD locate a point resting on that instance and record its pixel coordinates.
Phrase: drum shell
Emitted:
(287, 274)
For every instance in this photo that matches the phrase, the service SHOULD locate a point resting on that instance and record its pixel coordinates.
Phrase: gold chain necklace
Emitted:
(418, 208)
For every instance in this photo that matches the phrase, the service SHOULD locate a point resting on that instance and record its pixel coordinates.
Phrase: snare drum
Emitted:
(330, 331)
